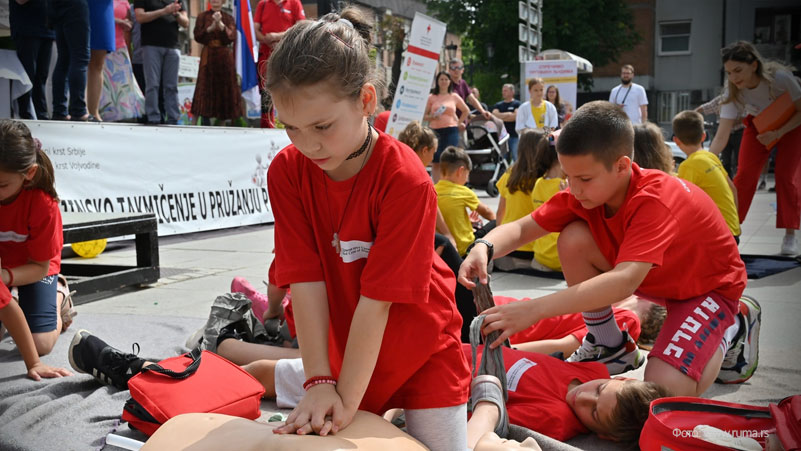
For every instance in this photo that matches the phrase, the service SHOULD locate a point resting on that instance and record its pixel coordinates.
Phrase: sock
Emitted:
(603, 327)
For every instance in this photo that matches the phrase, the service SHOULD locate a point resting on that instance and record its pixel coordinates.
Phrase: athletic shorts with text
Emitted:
(693, 330)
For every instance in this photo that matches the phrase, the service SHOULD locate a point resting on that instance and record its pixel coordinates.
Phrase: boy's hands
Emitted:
(40, 370)
(319, 412)
(474, 266)
(509, 319)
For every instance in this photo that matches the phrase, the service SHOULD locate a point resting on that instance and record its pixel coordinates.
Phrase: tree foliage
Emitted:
(598, 30)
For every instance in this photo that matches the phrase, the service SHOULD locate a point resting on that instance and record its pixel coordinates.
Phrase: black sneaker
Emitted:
(91, 355)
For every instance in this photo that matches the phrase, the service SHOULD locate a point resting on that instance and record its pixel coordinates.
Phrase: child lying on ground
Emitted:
(555, 398)
(626, 229)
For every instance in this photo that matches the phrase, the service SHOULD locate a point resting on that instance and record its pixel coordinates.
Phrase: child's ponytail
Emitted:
(45, 178)
(19, 151)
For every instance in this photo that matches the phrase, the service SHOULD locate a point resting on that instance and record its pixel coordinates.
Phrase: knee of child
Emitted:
(45, 341)
(664, 374)
(574, 239)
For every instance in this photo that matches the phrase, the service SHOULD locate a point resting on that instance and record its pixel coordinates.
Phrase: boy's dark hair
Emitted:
(327, 50)
(633, 406)
(600, 129)
(688, 126)
(19, 151)
(523, 173)
(650, 150)
(417, 137)
(435, 89)
(453, 158)
(652, 324)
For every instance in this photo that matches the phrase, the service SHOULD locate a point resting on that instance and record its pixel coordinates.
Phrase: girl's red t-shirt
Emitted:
(30, 229)
(386, 236)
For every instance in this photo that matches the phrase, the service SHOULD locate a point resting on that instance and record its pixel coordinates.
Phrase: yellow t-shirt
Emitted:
(703, 168)
(538, 113)
(545, 248)
(517, 205)
(454, 201)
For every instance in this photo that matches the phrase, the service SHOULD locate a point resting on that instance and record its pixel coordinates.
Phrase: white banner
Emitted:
(562, 73)
(192, 178)
(417, 73)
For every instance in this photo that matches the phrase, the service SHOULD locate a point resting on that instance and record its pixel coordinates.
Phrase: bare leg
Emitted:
(94, 84)
(659, 371)
(264, 372)
(243, 353)
(435, 174)
(579, 254)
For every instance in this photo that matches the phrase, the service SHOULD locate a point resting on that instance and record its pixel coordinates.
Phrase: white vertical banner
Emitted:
(561, 73)
(417, 73)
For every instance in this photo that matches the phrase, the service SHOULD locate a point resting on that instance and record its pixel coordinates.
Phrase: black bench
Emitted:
(97, 281)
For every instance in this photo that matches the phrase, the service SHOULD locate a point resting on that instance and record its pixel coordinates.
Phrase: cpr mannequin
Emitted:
(212, 432)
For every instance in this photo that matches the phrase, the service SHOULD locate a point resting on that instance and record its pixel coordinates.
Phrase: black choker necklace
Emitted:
(365, 145)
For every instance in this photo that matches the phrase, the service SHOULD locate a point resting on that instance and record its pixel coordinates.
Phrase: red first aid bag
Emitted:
(787, 414)
(671, 422)
(196, 382)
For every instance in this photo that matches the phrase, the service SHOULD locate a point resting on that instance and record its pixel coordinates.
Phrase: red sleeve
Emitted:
(299, 13)
(555, 213)
(296, 256)
(399, 266)
(5, 295)
(45, 239)
(259, 10)
(650, 230)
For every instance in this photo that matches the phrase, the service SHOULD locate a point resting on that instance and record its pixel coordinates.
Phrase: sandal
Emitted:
(488, 388)
(67, 310)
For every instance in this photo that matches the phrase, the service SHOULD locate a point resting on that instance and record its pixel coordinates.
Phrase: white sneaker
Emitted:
(789, 245)
(625, 357)
(742, 358)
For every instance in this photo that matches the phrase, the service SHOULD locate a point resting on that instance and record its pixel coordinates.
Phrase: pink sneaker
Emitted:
(259, 301)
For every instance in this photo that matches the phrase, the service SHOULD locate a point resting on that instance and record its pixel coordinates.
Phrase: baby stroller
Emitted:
(487, 146)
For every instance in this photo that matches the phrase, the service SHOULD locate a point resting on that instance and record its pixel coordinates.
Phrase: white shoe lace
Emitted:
(587, 351)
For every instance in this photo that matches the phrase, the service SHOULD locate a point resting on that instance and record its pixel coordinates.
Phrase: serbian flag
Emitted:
(246, 52)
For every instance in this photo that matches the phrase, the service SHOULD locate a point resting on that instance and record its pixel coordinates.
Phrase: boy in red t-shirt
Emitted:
(562, 399)
(625, 229)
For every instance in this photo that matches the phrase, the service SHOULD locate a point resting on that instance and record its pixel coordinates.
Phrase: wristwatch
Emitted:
(490, 248)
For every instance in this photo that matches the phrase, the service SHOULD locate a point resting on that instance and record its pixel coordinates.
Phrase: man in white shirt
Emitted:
(630, 96)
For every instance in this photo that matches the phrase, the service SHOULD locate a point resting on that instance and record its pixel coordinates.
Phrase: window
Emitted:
(671, 103)
(674, 38)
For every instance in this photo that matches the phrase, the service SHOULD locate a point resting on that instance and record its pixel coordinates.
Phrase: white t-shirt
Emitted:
(631, 98)
(753, 101)
(525, 119)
